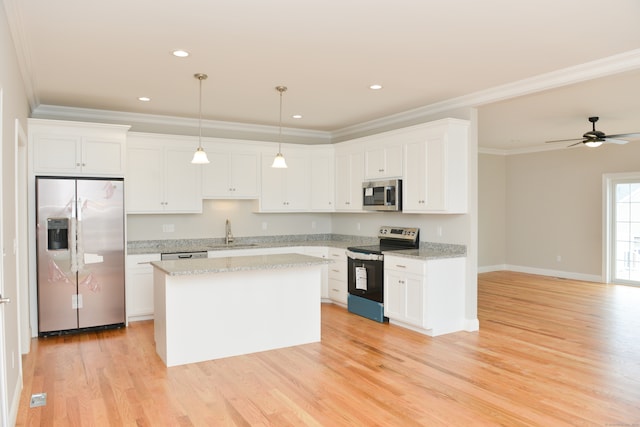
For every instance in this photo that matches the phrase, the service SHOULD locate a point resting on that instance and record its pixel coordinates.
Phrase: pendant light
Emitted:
(279, 161)
(200, 157)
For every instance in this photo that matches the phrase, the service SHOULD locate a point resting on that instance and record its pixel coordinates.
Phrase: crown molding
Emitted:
(154, 120)
(626, 61)
(611, 65)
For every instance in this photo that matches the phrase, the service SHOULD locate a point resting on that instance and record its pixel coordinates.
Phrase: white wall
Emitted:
(492, 228)
(14, 106)
(552, 207)
(211, 223)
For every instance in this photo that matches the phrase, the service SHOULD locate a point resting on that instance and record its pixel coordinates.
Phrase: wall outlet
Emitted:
(168, 228)
(358, 226)
(264, 225)
(558, 258)
(313, 225)
(439, 230)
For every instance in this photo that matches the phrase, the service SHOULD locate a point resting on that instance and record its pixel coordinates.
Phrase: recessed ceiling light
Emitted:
(144, 99)
(297, 116)
(180, 53)
(375, 87)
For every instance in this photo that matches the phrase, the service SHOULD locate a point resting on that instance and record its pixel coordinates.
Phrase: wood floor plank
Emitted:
(549, 352)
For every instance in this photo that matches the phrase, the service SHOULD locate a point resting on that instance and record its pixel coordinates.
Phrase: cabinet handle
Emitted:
(146, 262)
(380, 170)
(84, 164)
(77, 164)
(401, 282)
(336, 271)
(401, 266)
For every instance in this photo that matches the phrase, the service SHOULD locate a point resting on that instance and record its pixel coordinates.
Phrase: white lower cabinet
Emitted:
(337, 283)
(139, 286)
(425, 295)
(321, 252)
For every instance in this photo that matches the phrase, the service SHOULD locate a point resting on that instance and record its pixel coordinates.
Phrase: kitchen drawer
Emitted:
(338, 271)
(406, 265)
(337, 254)
(338, 291)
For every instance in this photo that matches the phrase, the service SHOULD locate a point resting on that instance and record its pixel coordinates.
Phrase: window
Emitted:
(623, 228)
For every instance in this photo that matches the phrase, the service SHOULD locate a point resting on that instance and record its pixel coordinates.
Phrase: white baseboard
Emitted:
(471, 325)
(543, 272)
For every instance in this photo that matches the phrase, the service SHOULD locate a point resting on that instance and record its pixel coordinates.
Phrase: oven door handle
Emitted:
(364, 257)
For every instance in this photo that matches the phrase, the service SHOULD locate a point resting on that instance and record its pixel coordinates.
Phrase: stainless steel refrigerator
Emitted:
(80, 254)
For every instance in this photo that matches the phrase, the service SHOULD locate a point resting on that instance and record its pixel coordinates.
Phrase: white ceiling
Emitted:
(103, 55)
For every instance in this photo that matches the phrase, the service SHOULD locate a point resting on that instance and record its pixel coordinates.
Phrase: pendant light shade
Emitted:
(200, 157)
(279, 161)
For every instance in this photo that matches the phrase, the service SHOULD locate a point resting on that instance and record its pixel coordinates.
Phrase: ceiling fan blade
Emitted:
(565, 140)
(624, 135)
(615, 141)
(577, 143)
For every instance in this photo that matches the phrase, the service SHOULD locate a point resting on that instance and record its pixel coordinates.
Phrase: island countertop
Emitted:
(237, 263)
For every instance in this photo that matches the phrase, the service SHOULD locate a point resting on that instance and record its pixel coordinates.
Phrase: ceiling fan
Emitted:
(595, 138)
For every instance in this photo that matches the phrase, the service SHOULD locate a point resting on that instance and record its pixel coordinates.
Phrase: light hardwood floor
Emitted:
(550, 352)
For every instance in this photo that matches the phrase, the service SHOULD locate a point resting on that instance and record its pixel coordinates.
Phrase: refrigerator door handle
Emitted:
(4, 300)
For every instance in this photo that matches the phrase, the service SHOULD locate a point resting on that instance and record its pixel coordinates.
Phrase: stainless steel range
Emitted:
(366, 270)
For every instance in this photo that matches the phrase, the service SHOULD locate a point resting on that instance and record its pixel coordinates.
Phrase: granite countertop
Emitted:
(428, 250)
(238, 263)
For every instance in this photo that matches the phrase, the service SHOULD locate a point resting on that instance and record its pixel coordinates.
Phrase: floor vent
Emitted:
(39, 399)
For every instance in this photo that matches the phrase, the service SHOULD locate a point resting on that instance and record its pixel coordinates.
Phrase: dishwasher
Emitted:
(168, 256)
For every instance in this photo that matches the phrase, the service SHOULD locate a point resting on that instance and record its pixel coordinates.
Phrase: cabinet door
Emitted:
(144, 182)
(215, 175)
(424, 184)
(103, 156)
(414, 300)
(383, 162)
(56, 154)
(298, 183)
(322, 183)
(272, 193)
(286, 189)
(374, 163)
(394, 295)
(139, 285)
(349, 175)
(182, 183)
(414, 186)
(244, 175)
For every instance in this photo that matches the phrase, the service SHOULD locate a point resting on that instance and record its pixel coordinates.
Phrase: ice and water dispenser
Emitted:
(57, 234)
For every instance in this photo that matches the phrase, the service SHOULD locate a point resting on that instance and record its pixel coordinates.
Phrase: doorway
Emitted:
(623, 228)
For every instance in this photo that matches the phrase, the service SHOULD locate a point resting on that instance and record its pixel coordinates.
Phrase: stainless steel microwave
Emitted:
(382, 195)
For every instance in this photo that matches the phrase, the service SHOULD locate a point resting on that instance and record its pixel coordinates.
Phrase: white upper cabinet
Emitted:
(160, 176)
(286, 190)
(349, 173)
(231, 173)
(322, 179)
(435, 162)
(77, 148)
(383, 157)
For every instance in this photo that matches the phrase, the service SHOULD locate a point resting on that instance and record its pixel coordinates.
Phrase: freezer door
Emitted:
(56, 282)
(100, 242)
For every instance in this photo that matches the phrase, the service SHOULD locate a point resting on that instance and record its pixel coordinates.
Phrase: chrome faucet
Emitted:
(228, 236)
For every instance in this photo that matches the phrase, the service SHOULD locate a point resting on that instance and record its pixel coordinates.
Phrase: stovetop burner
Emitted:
(392, 239)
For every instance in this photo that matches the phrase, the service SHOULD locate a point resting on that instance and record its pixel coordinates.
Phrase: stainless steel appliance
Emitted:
(382, 195)
(80, 254)
(366, 270)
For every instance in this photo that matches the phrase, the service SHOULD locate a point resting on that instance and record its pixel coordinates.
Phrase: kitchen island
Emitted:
(219, 307)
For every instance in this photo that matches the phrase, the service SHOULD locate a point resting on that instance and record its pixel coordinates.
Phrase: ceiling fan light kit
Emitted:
(595, 138)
